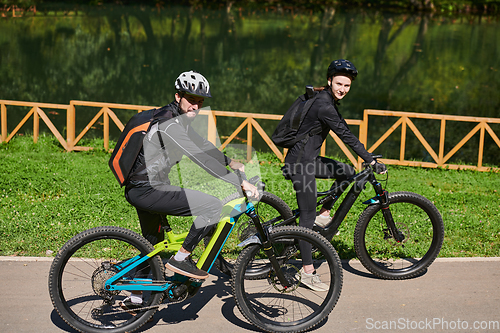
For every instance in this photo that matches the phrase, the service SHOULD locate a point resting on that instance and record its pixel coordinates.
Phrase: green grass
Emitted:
(47, 196)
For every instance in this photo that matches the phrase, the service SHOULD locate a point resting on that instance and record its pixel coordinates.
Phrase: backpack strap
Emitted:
(134, 175)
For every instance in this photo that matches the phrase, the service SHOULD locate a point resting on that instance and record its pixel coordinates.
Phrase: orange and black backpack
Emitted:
(130, 143)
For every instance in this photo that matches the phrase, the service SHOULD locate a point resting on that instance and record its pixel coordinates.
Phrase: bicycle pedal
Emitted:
(176, 278)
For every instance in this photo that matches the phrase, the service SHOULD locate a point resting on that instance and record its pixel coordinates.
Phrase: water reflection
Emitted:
(257, 59)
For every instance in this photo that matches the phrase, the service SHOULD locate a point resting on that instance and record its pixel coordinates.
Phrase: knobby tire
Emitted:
(84, 263)
(421, 223)
(272, 308)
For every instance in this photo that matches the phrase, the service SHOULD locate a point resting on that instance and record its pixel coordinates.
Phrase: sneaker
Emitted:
(186, 267)
(322, 221)
(130, 306)
(311, 280)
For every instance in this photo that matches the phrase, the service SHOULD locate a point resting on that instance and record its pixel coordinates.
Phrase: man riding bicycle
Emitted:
(149, 189)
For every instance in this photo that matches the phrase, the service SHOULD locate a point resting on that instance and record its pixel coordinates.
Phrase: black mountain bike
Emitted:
(98, 268)
(396, 237)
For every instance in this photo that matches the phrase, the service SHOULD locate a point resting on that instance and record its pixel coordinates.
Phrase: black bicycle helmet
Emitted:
(341, 66)
(193, 83)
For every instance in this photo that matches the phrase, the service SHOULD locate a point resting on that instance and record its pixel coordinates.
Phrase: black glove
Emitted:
(379, 168)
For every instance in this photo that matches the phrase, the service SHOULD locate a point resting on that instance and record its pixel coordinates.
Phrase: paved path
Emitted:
(455, 295)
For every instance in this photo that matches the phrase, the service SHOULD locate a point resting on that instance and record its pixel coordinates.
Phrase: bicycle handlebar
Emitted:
(255, 180)
(365, 165)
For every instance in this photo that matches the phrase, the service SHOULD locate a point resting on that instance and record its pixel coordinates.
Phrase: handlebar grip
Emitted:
(254, 180)
(364, 164)
(240, 175)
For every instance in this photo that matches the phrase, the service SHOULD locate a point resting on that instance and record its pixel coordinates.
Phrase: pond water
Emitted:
(256, 59)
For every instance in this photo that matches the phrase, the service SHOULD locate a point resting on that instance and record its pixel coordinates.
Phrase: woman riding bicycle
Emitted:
(303, 163)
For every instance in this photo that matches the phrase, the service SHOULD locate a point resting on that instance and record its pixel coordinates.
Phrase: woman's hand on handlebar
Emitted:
(250, 190)
(379, 168)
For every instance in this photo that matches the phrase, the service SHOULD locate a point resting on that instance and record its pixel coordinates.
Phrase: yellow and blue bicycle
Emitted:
(98, 268)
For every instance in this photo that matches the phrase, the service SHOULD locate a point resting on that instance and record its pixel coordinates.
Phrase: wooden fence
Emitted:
(403, 120)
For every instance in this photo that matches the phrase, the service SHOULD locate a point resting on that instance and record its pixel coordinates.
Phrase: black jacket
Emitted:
(324, 113)
(179, 139)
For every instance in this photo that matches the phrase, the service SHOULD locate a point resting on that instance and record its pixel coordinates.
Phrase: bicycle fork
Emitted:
(383, 198)
(268, 249)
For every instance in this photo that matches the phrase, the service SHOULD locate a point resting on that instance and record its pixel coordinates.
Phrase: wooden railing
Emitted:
(106, 111)
(404, 120)
(37, 113)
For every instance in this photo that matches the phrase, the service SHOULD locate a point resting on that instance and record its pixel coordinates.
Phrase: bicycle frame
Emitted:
(359, 180)
(230, 212)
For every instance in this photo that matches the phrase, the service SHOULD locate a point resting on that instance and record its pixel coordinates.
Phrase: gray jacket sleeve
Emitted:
(208, 147)
(175, 135)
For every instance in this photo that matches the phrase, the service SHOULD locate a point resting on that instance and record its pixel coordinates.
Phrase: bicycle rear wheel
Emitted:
(422, 226)
(82, 266)
(270, 306)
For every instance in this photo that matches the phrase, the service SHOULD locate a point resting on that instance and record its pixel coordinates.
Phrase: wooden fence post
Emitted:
(363, 135)
(249, 139)
(403, 140)
(70, 126)
(105, 129)
(481, 145)
(36, 124)
(212, 129)
(3, 119)
(441, 142)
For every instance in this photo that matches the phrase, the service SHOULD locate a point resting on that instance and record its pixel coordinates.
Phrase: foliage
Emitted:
(434, 5)
(47, 196)
(258, 59)
(19, 3)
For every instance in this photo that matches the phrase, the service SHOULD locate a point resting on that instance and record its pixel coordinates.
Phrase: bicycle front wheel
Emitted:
(417, 219)
(80, 270)
(306, 301)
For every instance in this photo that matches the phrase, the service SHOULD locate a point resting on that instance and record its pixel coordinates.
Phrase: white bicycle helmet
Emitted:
(193, 83)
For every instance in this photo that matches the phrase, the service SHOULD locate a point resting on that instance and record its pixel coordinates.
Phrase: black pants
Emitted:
(303, 177)
(151, 203)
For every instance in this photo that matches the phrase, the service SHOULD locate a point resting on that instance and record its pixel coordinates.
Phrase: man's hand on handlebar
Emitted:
(250, 189)
(237, 166)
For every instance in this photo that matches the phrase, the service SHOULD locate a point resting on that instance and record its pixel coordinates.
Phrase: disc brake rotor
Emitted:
(402, 228)
(290, 272)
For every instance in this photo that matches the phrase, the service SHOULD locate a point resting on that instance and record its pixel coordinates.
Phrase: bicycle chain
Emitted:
(161, 306)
